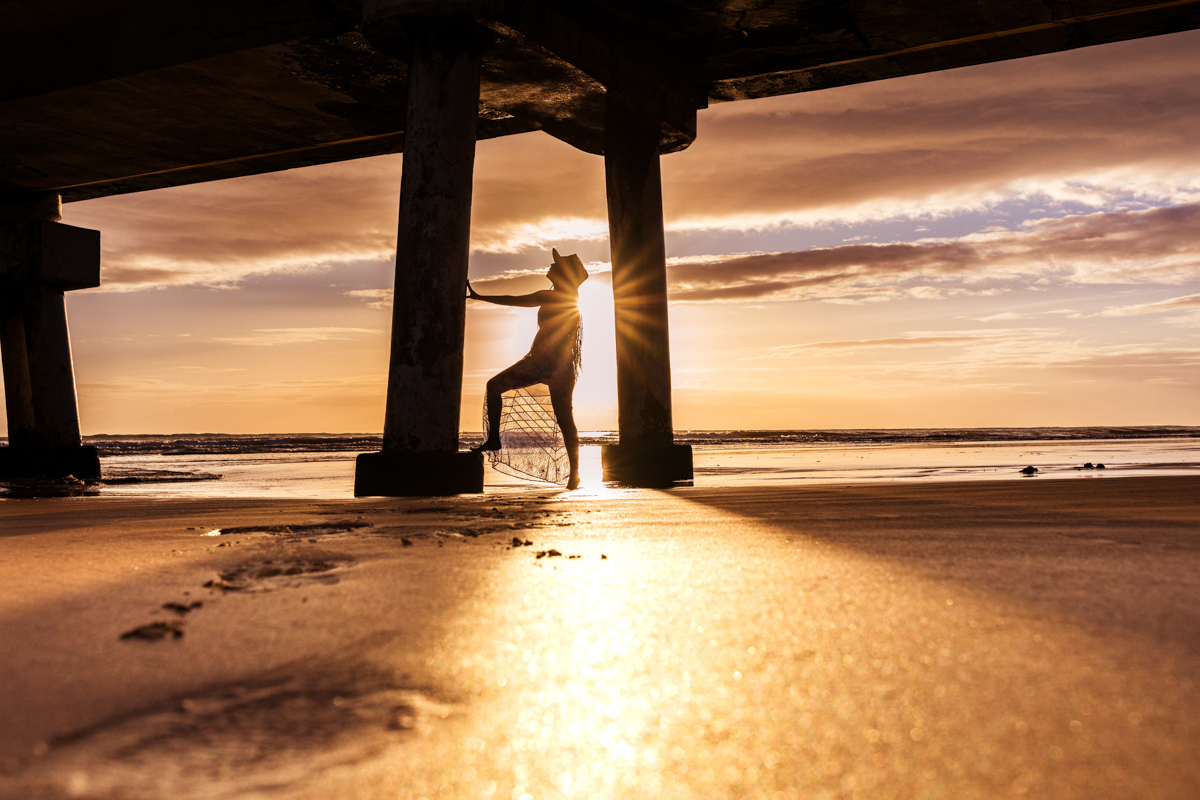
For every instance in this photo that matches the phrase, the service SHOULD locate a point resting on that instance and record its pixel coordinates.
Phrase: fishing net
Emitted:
(531, 443)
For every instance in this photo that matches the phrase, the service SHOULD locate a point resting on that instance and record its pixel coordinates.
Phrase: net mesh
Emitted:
(531, 443)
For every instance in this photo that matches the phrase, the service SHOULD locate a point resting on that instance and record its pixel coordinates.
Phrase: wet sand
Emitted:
(959, 640)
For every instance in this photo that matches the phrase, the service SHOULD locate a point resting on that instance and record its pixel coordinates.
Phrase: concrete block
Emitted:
(50, 462)
(52, 253)
(647, 465)
(17, 205)
(402, 473)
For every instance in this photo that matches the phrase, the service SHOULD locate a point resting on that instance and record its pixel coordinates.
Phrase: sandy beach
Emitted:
(960, 640)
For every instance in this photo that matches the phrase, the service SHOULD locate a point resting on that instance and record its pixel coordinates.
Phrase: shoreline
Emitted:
(329, 474)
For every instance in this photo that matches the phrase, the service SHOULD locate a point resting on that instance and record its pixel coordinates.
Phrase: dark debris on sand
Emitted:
(121, 477)
(321, 528)
(156, 631)
(41, 486)
(182, 608)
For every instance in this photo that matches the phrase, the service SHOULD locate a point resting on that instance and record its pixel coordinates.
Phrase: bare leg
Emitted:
(515, 377)
(495, 407)
(560, 397)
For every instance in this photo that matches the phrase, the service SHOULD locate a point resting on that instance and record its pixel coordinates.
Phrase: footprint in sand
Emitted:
(267, 575)
(157, 631)
(240, 739)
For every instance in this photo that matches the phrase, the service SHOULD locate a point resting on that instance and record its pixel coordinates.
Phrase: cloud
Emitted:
(1108, 127)
(1186, 303)
(949, 338)
(1093, 126)
(218, 234)
(907, 340)
(269, 337)
(1164, 365)
(377, 298)
(1160, 245)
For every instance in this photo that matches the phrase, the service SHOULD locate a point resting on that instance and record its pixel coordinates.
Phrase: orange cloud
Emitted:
(1098, 126)
(1159, 245)
(947, 338)
(268, 337)
(1186, 303)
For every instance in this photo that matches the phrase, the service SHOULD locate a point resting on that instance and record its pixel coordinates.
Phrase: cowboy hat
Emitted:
(570, 267)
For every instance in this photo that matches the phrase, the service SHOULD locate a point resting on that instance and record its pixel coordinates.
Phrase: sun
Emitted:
(596, 392)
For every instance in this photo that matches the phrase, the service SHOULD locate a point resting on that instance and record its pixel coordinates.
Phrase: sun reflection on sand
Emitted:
(601, 680)
(710, 656)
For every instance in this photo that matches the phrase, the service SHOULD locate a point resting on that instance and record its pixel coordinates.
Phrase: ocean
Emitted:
(321, 466)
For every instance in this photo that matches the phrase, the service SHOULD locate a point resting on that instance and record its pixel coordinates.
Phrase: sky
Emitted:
(1014, 244)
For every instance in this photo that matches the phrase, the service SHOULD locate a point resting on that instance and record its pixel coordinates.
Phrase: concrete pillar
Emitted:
(18, 390)
(51, 373)
(646, 454)
(420, 433)
(39, 261)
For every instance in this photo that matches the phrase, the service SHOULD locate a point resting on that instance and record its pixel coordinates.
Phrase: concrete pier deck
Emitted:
(969, 640)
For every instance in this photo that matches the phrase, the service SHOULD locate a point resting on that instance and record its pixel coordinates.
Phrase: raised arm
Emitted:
(520, 300)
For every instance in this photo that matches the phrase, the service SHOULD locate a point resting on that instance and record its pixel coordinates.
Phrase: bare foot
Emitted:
(573, 483)
(489, 446)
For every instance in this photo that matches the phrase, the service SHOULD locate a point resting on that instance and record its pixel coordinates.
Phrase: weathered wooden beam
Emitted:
(1064, 26)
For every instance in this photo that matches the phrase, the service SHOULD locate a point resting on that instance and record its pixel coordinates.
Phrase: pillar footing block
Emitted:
(404, 473)
(49, 462)
(650, 466)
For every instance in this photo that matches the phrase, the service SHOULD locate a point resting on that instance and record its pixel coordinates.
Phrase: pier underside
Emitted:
(112, 96)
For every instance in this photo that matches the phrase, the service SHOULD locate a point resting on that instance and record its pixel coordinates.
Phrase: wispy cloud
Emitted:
(376, 298)
(1106, 128)
(1157, 245)
(1186, 303)
(269, 337)
(915, 339)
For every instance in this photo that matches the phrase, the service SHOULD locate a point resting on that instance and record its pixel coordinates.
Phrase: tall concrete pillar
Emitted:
(18, 388)
(39, 261)
(420, 434)
(646, 454)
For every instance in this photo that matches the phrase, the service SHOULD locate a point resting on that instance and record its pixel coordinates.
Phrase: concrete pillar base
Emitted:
(418, 474)
(648, 465)
(50, 462)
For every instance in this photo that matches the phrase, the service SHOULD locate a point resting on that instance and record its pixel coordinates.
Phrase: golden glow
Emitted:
(596, 392)
(591, 474)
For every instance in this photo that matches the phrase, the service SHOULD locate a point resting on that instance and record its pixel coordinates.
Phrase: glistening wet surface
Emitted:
(316, 474)
(976, 640)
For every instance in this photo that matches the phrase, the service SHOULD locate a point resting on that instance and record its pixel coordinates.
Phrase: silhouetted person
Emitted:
(554, 357)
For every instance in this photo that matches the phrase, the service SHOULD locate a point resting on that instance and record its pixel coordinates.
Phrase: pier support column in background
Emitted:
(39, 261)
(646, 454)
(420, 431)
